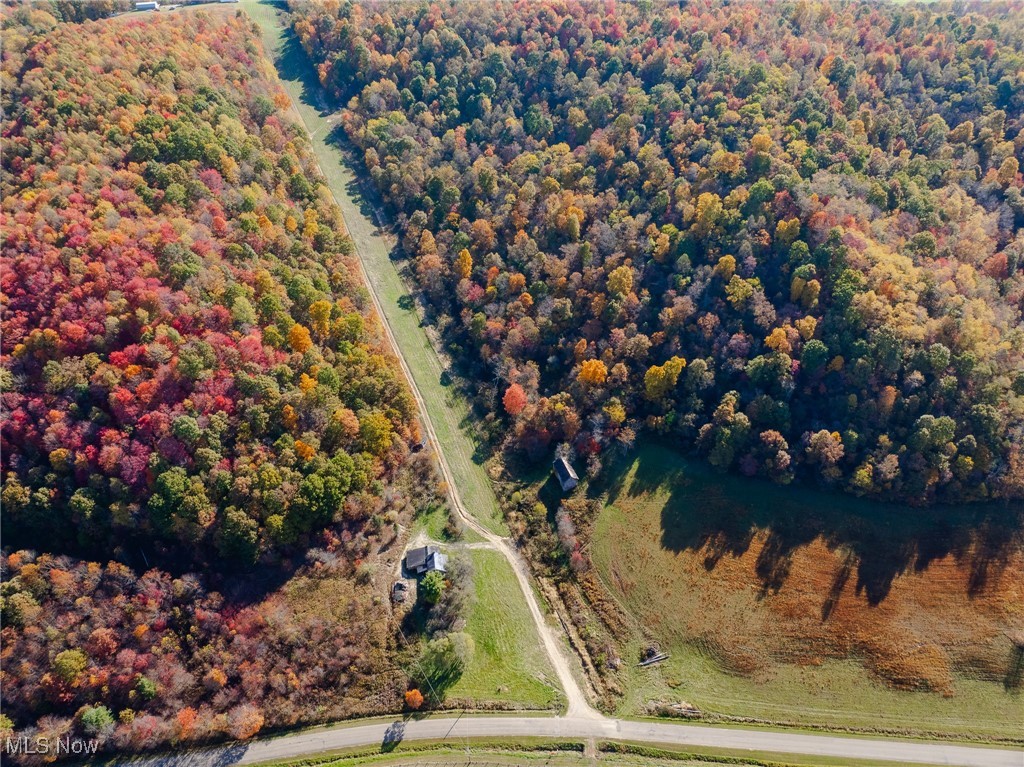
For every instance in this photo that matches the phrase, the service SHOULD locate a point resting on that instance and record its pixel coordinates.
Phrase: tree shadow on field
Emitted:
(294, 65)
(356, 188)
(551, 495)
(230, 755)
(1015, 676)
(196, 757)
(720, 515)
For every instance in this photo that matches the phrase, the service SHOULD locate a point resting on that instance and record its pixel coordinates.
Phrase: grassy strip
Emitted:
(722, 756)
(373, 754)
(447, 408)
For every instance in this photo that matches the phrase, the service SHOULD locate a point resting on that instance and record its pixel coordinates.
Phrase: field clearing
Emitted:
(788, 605)
(509, 665)
(449, 411)
(432, 522)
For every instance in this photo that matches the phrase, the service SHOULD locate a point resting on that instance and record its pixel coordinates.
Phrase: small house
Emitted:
(425, 559)
(148, 5)
(567, 477)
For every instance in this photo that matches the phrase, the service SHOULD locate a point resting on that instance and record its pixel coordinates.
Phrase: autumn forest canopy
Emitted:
(785, 236)
(193, 381)
(187, 348)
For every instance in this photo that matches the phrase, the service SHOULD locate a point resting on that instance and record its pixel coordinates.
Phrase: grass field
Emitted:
(788, 605)
(448, 410)
(509, 664)
(433, 522)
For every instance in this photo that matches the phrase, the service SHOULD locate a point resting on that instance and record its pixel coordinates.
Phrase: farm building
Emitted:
(149, 5)
(567, 477)
(424, 560)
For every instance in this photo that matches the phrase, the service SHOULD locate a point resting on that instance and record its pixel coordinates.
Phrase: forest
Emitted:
(787, 238)
(189, 355)
(784, 236)
(194, 385)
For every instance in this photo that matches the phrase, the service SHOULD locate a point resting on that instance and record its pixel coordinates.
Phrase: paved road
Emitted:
(678, 735)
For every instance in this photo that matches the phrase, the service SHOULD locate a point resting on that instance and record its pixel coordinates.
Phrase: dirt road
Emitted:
(578, 704)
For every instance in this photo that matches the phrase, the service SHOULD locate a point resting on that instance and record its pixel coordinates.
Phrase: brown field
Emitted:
(762, 593)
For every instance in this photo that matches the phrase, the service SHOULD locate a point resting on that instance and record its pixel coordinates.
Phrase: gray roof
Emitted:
(564, 470)
(416, 558)
(437, 561)
(425, 558)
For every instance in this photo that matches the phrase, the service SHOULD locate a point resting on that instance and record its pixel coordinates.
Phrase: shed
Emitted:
(567, 477)
(148, 5)
(399, 591)
(425, 559)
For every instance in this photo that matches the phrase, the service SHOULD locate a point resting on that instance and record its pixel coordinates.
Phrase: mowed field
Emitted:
(789, 605)
(509, 666)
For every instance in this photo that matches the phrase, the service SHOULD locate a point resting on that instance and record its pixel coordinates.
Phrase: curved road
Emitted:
(581, 721)
(578, 704)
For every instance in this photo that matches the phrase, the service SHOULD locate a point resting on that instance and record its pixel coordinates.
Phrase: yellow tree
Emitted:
(375, 431)
(778, 340)
(620, 281)
(787, 231)
(1008, 171)
(659, 380)
(428, 247)
(464, 264)
(304, 450)
(592, 373)
(310, 226)
(806, 325)
(298, 338)
(726, 267)
(709, 213)
(761, 142)
(320, 317)
(615, 411)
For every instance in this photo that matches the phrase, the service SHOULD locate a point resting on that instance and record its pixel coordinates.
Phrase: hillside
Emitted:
(194, 385)
(183, 327)
(788, 236)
